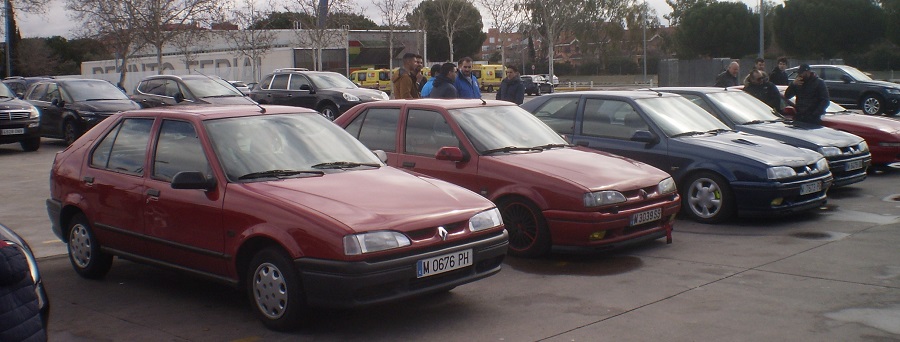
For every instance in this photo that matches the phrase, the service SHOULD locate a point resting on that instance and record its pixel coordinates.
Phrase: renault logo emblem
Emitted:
(443, 233)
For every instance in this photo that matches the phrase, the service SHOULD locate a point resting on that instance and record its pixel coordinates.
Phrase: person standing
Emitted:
(444, 87)
(812, 95)
(779, 76)
(512, 88)
(19, 306)
(729, 77)
(405, 85)
(466, 83)
(759, 64)
(426, 89)
(763, 90)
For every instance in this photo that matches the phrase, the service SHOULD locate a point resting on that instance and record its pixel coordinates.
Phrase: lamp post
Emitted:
(761, 27)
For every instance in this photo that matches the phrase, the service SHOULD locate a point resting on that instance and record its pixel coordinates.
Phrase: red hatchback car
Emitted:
(276, 199)
(548, 192)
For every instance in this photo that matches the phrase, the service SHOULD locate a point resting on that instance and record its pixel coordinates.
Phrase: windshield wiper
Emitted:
(101, 99)
(510, 149)
(687, 133)
(279, 174)
(754, 122)
(223, 95)
(718, 130)
(343, 165)
(549, 146)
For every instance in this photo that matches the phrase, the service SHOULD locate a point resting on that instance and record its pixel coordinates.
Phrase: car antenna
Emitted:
(261, 109)
(658, 93)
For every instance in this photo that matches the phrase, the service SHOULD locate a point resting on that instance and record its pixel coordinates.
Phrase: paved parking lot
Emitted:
(828, 275)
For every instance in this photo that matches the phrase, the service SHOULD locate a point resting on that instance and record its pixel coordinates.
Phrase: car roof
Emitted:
(704, 90)
(633, 94)
(183, 77)
(442, 103)
(208, 112)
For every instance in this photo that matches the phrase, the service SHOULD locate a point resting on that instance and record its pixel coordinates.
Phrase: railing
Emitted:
(594, 85)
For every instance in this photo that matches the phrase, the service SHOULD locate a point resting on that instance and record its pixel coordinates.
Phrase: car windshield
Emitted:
(498, 127)
(742, 108)
(284, 144)
(210, 87)
(856, 74)
(6, 92)
(93, 90)
(331, 80)
(834, 108)
(676, 115)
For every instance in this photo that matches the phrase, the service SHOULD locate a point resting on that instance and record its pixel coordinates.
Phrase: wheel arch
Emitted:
(248, 249)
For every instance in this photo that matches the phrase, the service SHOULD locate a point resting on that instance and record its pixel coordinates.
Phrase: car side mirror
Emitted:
(193, 180)
(645, 136)
(846, 78)
(179, 97)
(381, 155)
(450, 153)
(789, 112)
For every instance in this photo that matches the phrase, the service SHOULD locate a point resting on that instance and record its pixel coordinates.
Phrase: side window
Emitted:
(172, 88)
(264, 84)
(52, 93)
(362, 76)
(178, 149)
(154, 87)
(297, 81)
(427, 132)
(38, 92)
(377, 128)
(384, 76)
(559, 114)
(280, 82)
(124, 148)
(611, 119)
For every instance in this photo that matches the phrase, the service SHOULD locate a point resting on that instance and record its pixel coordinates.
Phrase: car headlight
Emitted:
(829, 151)
(485, 219)
(350, 97)
(863, 146)
(779, 172)
(384, 96)
(666, 186)
(34, 113)
(893, 91)
(601, 198)
(822, 165)
(370, 242)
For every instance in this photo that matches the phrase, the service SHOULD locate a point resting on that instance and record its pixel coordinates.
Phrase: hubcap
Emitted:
(871, 105)
(705, 198)
(80, 246)
(329, 114)
(270, 290)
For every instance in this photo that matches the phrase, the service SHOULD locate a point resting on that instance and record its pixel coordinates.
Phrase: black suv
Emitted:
(69, 107)
(850, 87)
(19, 121)
(328, 92)
(167, 90)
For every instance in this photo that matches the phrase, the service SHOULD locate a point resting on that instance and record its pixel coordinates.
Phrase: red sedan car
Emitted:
(548, 192)
(276, 199)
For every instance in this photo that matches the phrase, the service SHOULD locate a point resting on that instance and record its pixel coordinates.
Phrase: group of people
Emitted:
(812, 95)
(451, 81)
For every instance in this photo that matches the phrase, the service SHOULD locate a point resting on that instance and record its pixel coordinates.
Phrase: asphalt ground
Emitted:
(831, 274)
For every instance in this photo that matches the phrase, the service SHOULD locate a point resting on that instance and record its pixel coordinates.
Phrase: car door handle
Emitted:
(153, 192)
(88, 180)
(409, 164)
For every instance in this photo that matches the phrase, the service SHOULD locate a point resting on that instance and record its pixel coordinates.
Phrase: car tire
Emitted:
(275, 290)
(84, 250)
(329, 111)
(872, 104)
(529, 235)
(70, 131)
(31, 144)
(707, 198)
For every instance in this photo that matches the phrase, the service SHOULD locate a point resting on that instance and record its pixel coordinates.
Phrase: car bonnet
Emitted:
(804, 136)
(761, 149)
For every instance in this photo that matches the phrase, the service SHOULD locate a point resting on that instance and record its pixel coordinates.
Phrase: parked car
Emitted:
(330, 93)
(847, 154)
(277, 200)
(553, 80)
(719, 172)
(19, 85)
(548, 192)
(11, 238)
(19, 121)
(70, 107)
(169, 90)
(850, 87)
(241, 86)
(535, 85)
(881, 134)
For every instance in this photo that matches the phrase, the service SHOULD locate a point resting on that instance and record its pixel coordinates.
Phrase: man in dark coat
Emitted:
(763, 90)
(729, 77)
(512, 88)
(779, 76)
(443, 83)
(20, 314)
(812, 96)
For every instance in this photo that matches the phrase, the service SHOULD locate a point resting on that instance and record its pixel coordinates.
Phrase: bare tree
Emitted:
(393, 14)
(250, 41)
(160, 21)
(319, 30)
(550, 18)
(188, 42)
(506, 16)
(450, 14)
(111, 22)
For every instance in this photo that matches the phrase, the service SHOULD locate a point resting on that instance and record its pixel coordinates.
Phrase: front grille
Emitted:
(6, 115)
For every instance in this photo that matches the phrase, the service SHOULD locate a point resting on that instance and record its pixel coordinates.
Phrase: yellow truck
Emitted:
(372, 78)
(489, 76)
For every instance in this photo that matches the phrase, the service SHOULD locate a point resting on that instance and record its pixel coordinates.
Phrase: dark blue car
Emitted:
(719, 172)
(847, 154)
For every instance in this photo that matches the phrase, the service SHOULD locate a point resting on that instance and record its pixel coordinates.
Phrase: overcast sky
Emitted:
(57, 23)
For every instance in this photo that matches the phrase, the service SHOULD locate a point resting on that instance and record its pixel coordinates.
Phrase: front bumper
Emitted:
(758, 198)
(30, 127)
(340, 284)
(850, 170)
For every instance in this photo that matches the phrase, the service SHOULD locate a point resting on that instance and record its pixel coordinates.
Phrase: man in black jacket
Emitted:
(763, 90)
(20, 313)
(443, 83)
(512, 88)
(812, 96)
(779, 76)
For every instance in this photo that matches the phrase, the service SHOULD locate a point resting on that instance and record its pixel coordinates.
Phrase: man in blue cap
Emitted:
(812, 96)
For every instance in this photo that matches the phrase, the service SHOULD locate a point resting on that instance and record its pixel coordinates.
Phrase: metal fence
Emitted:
(703, 72)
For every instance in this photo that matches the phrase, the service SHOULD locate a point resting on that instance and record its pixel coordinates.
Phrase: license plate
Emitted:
(809, 188)
(853, 165)
(443, 263)
(12, 131)
(646, 216)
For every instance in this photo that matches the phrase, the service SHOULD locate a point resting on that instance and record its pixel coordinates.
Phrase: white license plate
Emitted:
(646, 216)
(443, 263)
(853, 165)
(12, 131)
(809, 188)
